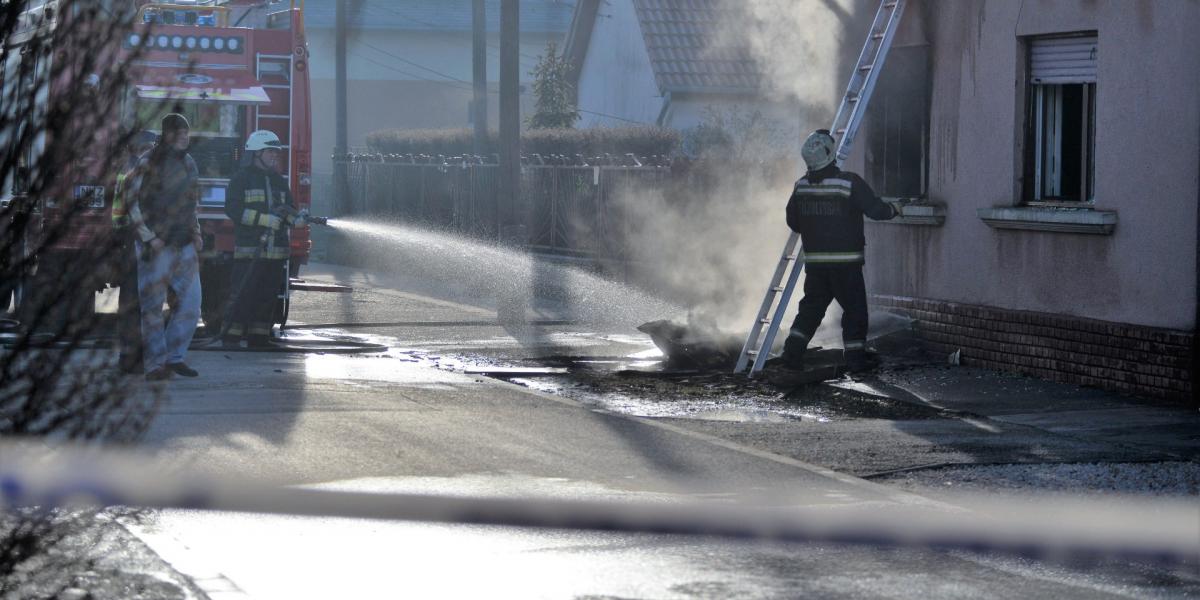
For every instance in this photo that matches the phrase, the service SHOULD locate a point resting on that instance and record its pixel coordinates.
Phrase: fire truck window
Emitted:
(217, 133)
(216, 158)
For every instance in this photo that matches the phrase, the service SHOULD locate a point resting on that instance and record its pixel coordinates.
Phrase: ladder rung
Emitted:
(867, 67)
(877, 36)
(890, 4)
(788, 258)
(841, 131)
(764, 321)
(777, 289)
(752, 352)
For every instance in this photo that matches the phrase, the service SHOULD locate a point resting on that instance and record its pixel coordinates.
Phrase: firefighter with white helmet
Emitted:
(263, 211)
(261, 140)
(827, 208)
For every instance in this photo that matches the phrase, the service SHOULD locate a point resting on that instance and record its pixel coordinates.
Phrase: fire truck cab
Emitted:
(230, 66)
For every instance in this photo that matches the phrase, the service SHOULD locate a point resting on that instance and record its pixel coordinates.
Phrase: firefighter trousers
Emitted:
(821, 286)
(256, 285)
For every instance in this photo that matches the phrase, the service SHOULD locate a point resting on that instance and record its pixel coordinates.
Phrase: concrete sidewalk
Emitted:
(1171, 431)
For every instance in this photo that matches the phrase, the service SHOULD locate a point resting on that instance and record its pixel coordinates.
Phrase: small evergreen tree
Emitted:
(555, 102)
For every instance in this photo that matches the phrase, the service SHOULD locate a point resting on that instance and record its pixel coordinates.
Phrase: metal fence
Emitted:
(569, 209)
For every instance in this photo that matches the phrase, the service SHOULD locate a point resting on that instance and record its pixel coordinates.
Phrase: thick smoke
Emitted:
(799, 47)
(715, 252)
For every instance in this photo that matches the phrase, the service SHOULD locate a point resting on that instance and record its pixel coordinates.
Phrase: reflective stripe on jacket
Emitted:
(249, 200)
(827, 208)
(120, 211)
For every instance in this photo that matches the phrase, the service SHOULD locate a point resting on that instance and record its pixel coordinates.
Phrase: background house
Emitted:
(667, 63)
(409, 63)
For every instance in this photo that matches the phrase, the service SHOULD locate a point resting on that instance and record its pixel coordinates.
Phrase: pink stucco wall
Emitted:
(1147, 165)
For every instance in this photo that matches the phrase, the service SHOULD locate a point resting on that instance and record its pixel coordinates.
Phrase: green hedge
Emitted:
(639, 141)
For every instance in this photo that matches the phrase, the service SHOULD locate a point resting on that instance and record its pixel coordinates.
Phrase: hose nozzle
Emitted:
(308, 219)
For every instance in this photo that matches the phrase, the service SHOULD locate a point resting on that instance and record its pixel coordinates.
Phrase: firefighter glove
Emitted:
(289, 215)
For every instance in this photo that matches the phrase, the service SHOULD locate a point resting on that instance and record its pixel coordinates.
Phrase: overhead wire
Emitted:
(451, 80)
(409, 62)
(436, 27)
(454, 85)
(409, 73)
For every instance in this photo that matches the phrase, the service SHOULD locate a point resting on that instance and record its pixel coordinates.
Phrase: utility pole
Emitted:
(341, 179)
(509, 204)
(479, 105)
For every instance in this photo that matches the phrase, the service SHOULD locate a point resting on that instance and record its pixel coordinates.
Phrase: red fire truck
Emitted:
(231, 67)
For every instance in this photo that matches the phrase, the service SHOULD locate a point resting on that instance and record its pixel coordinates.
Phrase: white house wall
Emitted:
(616, 84)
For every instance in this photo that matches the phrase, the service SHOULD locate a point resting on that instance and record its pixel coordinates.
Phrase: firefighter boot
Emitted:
(258, 341)
(860, 361)
(788, 361)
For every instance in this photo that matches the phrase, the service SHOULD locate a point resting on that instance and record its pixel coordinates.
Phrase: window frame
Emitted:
(1034, 148)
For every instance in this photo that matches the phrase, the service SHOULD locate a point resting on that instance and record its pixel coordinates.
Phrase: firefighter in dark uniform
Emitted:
(826, 209)
(261, 206)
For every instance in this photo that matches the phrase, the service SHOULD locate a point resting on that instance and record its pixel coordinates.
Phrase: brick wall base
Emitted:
(1114, 356)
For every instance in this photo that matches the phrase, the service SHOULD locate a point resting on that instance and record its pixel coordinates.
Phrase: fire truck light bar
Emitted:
(231, 44)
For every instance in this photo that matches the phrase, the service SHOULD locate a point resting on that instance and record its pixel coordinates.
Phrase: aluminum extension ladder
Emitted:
(845, 128)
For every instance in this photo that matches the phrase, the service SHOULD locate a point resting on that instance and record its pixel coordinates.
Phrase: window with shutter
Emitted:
(1062, 76)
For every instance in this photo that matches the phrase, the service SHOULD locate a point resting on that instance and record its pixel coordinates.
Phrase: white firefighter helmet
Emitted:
(818, 150)
(261, 140)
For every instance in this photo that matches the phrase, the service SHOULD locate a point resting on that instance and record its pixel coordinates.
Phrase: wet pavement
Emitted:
(916, 412)
(422, 417)
(254, 556)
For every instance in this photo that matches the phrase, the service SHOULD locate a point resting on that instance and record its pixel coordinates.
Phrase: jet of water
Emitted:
(514, 279)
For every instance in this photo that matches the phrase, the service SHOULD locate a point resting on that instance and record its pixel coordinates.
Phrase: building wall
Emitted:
(616, 83)
(1148, 132)
(385, 92)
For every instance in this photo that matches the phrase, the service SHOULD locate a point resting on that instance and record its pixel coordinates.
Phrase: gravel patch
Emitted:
(1147, 479)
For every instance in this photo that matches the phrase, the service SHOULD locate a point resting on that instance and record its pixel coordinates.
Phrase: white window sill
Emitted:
(1059, 220)
(928, 215)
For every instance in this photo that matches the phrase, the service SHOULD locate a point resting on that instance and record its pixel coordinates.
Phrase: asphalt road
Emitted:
(404, 421)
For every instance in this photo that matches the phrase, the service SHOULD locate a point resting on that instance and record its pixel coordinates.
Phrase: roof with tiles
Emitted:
(688, 52)
(537, 16)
